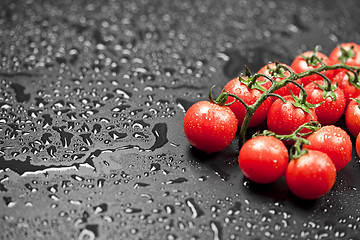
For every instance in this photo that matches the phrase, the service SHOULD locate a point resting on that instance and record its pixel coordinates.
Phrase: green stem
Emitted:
(250, 109)
(295, 151)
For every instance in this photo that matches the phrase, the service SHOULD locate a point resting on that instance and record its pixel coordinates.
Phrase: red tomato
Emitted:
(263, 159)
(358, 145)
(310, 176)
(303, 63)
(350, 88)
(352, 117)
(330, 111)
(210, 127)
(350, 54)
(285, 118)
(249, 96)
(333, 141)
(270, 70)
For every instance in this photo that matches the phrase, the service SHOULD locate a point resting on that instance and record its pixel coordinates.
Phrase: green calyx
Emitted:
(300, 102)
(357, 101)
(328, 89)
(220, 100)
(346, 54)
(297, 151)
(297, 136)
(251, 81)
(278, 71)
(312, 60)
(354, 79)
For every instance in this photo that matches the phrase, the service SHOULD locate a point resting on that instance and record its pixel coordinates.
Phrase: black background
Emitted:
(92, 98)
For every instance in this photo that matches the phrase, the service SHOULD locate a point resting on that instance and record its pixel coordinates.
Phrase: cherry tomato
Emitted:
(352, 117)
(333, 141)
(278, 75)
(348, 84)
(305, 62)
(263, 159)
(358, 145)
(249, 96)
(330, 111)
(210, 127)
(349, 54)
(285, 118)
(310, 176)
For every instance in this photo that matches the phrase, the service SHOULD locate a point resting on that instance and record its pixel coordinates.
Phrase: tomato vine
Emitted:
(251, 81)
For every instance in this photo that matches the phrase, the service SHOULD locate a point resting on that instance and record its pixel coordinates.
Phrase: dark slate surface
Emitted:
(92, 98)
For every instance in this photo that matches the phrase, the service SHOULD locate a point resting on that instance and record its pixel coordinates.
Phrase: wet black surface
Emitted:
(92, 98)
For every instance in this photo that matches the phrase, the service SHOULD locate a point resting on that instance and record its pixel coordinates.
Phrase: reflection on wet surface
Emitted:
(92, 99)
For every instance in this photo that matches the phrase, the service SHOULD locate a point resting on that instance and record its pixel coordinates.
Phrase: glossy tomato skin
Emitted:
(300, 65)
(210, 127)
(333, 141)
(329, 112)
(350, 91)
(263, 159)
(285, 118)
(352, 117)
(249, 96)
(311, 176)
(284, 90)
(358, 145)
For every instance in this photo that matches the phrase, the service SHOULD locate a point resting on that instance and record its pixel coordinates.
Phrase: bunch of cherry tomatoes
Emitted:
(300, 104)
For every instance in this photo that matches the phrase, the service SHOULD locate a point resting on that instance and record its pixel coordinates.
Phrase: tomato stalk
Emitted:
(250, 109)
(327, 88)
(297, 136)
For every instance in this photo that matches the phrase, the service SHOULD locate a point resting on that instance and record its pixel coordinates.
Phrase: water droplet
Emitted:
(216, 229)
(132, 210)
(116, 135)
(221, 173)
(177, 180)
(155, 167)
(169, 209)
(90, 232)
(195, 209)
(77, 178)
(140, 185)
(9, 202)
(100, 208)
